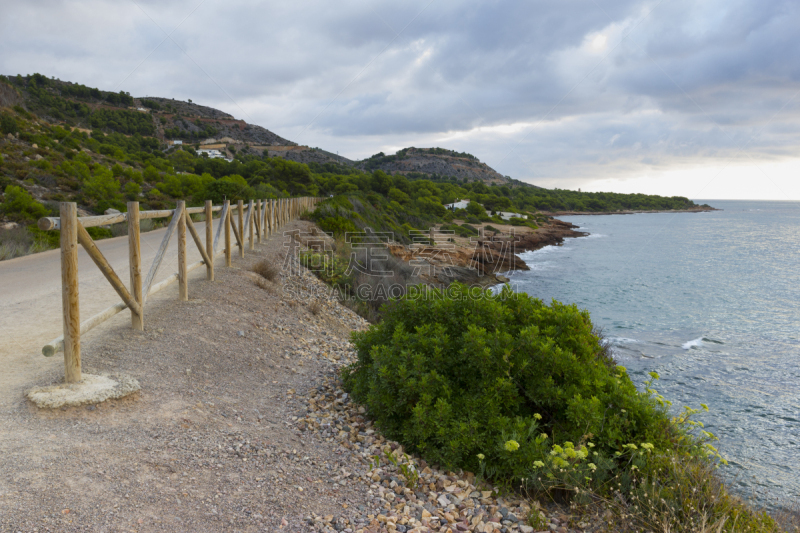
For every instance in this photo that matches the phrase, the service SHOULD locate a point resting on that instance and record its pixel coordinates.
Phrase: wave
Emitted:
(699, 342)
(694, 343)
(622, 340)
(541, 251)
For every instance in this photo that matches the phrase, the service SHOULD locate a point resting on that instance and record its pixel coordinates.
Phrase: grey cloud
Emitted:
(690, 80)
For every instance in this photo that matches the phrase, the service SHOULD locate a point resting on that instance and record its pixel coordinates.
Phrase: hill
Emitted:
(434, 163)
(63, 141)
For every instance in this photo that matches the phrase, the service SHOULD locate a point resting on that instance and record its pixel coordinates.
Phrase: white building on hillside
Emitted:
(461, 204)
(505, 215)
(212, 154)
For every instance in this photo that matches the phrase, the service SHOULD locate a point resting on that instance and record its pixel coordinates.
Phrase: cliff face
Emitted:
(8, 96)
(434, 161)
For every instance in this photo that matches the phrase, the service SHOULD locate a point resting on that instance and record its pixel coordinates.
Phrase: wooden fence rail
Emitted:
(262, 219)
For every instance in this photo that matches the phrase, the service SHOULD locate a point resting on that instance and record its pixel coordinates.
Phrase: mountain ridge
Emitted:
(201, 126)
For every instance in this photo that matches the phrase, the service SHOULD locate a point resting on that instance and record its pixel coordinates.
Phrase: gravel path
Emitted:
(207, 445)
(240, 426)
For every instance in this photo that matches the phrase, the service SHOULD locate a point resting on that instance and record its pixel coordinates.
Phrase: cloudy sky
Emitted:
(686, 97)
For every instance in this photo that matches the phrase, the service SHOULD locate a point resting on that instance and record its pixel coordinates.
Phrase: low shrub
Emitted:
(21, 241)
(18, 204)
(337, 225)
(266, 270)
(528, 395)
(453, 377)
(470, 229)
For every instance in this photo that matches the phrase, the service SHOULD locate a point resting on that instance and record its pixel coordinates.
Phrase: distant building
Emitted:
(177, 142)
(461, 204)
(212, 154)
(143, 110)
(506, 215)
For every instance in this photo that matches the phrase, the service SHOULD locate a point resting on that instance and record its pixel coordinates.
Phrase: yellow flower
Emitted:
(481, 456)
(537, 416)
(538, 464)
(512, 445)
(647, 446)
(592, 466)
(544, 435)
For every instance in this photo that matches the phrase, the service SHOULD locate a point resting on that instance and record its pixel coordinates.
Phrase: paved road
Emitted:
(30, 298)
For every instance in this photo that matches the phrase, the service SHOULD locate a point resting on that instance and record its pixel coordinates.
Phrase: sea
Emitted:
(710, 301)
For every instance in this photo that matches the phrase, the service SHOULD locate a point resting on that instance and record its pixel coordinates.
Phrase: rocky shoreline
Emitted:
(481, 262)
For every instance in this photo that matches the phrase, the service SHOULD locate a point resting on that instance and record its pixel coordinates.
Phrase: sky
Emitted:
(674, 97)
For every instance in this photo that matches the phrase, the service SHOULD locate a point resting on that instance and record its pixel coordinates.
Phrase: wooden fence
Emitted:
(262, 219)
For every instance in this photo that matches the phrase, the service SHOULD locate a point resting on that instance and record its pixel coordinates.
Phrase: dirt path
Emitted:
(207, 445)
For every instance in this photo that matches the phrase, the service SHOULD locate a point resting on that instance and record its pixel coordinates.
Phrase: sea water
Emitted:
(710, 301)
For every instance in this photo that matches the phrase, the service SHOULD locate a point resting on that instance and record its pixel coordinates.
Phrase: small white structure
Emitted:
(461, 204)
(212, 154)
(505, 215)
(176, 143)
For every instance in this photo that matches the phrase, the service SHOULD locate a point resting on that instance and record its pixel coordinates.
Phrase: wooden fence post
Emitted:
(258, 220)
(267, 231)
(251, 225)
(69, 292)
(135, 259)
(241, 228)
(227, 222)
(271, 217)
(183, 275)
(210, 240)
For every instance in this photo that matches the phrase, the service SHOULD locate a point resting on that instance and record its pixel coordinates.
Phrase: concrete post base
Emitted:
(91, 390)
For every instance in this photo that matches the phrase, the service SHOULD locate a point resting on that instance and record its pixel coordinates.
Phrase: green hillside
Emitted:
(68, 142)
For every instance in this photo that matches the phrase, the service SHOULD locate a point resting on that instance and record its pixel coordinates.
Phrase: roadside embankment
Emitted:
(240, 425)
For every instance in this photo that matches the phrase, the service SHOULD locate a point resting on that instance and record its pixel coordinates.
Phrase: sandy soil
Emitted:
(207, 445)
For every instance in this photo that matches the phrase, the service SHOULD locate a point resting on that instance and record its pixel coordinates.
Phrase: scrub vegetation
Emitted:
(527, 395)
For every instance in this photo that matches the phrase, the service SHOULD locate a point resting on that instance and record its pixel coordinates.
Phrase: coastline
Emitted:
(629, 212)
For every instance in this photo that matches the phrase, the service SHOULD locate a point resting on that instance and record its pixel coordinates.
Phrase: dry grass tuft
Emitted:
(266, 270)
(314, 307)
(266, 285)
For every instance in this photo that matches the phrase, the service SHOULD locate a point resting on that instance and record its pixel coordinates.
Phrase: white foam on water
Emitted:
(622, 340)
(688, 345)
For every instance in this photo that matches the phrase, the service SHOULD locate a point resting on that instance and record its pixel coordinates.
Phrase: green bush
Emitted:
(222, 189)
(19, 205)
(8, 124)
(455, 378)
(336, 225)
